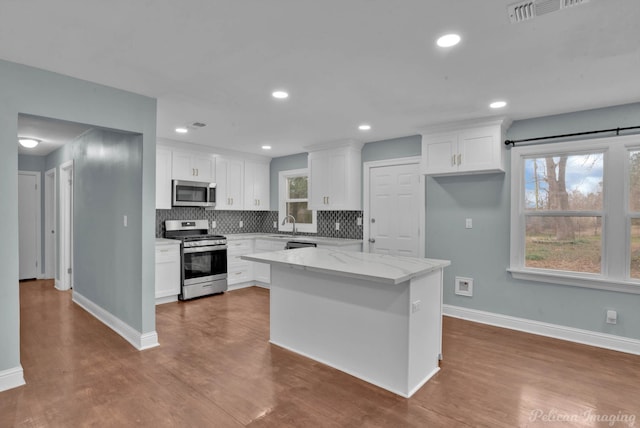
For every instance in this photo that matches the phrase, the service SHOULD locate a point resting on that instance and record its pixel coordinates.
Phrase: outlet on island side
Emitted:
(337, 226)
(240, 223)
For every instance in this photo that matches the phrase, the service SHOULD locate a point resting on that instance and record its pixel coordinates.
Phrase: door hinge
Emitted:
(36, 186)
(69, 270)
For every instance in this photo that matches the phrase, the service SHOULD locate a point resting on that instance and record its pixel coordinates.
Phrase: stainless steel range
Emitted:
(204, 258)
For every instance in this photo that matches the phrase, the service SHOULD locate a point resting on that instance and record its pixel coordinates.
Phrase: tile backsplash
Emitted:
(228, 222)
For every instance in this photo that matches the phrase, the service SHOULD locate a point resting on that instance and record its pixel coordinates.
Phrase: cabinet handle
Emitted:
(453, 160)
(459, 158)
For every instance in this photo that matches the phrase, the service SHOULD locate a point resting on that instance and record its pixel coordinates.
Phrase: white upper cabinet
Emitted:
(464, 148)
(229, 183)
(194, 166)
(256, 186)
(163, 178)
(335, 177)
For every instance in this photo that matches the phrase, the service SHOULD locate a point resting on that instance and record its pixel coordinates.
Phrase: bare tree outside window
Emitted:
(563, 203)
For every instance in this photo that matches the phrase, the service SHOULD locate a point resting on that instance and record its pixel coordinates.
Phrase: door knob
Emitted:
(372, 240)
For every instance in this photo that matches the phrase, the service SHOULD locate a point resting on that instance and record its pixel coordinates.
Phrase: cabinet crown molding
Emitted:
(501, 121)
(335, 144)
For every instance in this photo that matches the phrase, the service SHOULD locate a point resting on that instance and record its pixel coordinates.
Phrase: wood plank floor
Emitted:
(215, 368)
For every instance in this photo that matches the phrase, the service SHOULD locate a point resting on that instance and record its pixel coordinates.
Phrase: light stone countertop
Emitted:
(287, 237)
(381, 268)
(165, 241)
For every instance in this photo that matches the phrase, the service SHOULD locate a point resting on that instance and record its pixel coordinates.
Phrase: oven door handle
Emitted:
(189, 250)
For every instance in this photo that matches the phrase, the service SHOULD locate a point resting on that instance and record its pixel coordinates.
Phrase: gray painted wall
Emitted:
(482, 253)
(107, 187)
(37, 92)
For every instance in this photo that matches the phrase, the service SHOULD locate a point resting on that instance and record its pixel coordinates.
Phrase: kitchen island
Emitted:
(376, 317)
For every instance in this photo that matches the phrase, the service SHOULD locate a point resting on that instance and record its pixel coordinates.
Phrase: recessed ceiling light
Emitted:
(448, 40)
(182, 130)
(266, 147)
(364, 127)
(29, 143)
(280, 94)
(498, 104)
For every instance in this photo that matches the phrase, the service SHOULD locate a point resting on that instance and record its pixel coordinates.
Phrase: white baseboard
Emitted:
(138, 340)
(586, 337)
(58, 285)
(11, 378)
(166, 299)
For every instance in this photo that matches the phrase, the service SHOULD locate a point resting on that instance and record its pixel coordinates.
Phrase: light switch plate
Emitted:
(468, 223)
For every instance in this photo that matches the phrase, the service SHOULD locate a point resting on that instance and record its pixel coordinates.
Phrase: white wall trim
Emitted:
(586, 337)
(366, 171)
(11, 378)
(139, 340)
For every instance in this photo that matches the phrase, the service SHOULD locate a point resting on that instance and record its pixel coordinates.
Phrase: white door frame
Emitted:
(38, 221)
(367, 166)
(66, 226)
(50, 226)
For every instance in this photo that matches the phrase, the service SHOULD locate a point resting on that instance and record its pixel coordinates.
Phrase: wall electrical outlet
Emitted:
(359, 221)
(213, 224)
(464, 286)
(124, 221)
(337, 226)
(275, 224)
(468, 223)
(612, 317)
(240, 223)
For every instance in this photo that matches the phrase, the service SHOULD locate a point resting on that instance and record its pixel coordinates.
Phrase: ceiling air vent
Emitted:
(198, 125)
(529, 9)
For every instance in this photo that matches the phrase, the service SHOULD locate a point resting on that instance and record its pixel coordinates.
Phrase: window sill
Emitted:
(596, 282)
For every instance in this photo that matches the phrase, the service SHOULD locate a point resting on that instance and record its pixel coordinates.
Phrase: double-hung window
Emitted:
(575, 213)
(294, 200)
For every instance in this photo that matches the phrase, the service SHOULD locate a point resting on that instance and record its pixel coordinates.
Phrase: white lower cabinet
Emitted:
(238, 270)
(167, 272)
(242, 273)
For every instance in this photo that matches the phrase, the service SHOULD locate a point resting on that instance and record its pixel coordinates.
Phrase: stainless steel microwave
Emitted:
(193, 194)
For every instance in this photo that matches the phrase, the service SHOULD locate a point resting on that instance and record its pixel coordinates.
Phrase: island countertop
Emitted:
(380, 268)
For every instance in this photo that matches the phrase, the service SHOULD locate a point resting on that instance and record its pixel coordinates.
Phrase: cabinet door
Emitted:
(230, 183)
(163, 179)
(479, 150)
(204, 167)
(439, 153)
(256, 186)
(318, 184)
(181, 168)
(337, 179)
(167, 270)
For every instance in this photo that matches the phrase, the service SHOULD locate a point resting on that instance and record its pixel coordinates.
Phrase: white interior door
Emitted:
(29, 223)
(395, 212)
(66, 226)
(50, 224)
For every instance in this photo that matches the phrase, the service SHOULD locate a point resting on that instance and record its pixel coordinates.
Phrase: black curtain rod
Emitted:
(616, 130)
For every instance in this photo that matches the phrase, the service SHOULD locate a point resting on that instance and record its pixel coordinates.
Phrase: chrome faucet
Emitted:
(293, 220)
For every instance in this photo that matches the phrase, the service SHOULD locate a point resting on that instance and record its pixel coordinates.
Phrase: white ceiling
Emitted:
(343, 62)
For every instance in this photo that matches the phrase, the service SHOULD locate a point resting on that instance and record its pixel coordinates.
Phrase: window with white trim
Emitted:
(294, 200)
(575, 213)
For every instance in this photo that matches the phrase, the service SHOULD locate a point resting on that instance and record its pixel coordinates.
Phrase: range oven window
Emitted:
(200, 263)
